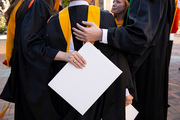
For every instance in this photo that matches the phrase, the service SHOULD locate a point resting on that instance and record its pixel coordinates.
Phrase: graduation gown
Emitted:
(145, 40)
(27, 83)
(111, 105)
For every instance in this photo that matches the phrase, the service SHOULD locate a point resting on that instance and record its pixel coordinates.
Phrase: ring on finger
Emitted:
(74, 61)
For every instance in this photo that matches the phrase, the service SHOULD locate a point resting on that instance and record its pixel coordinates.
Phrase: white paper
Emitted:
(171, 36)
(131, 112)
(82, 87)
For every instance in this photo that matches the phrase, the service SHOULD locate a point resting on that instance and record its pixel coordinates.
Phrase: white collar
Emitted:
(76, 3)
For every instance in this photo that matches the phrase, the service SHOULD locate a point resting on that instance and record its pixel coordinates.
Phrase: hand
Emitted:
(73, 57)
(129, 99)
(91, 34)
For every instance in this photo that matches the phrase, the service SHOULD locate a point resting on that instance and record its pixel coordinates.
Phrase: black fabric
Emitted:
(11, 84)
(111, 105)
(77, 15)
(27, 83)
(145, 40)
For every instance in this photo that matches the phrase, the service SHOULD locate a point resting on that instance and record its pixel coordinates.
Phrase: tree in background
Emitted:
(65, 3)
(4, 5)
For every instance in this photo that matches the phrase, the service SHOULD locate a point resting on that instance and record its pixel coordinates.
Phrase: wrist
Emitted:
(100, 34)
(60, 56)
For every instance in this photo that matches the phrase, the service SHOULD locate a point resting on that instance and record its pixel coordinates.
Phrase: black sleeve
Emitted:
(55, 38)
(36, 58)
(145, 19)
(32, 32)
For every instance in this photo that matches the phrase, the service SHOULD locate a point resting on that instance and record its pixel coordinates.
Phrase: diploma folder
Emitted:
(131, 112)
(82, 87)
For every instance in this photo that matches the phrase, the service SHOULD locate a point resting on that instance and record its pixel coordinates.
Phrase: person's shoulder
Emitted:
(37, 3)
(37, 6)
(33, 2)
(53, 18)
(106, 15)
(53, 24)
(107, 19)
(106, 12)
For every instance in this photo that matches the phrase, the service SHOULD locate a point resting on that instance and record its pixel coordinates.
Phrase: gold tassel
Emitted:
(4, 111)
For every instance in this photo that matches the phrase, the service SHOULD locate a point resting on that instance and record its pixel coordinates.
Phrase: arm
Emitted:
(34, 43)
(32, 35)
(136, 36)
(34, 58)
(73, 57)
(55, 39)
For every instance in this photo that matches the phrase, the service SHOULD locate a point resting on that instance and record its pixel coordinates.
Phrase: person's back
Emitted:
(145, 39)
(29, 59)
(111, 105)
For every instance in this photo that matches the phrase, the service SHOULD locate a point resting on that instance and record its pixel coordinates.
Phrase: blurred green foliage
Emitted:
(3, 27)
(65, 3)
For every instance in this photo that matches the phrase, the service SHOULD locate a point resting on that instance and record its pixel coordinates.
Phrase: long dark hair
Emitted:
(13, 3)
(50, 4)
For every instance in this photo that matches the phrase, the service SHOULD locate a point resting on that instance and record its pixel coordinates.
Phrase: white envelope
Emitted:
(131, 112)
(82, 87)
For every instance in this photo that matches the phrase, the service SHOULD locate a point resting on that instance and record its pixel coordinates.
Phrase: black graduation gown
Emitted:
(145, 40)
(27, 83)
(111, 105)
